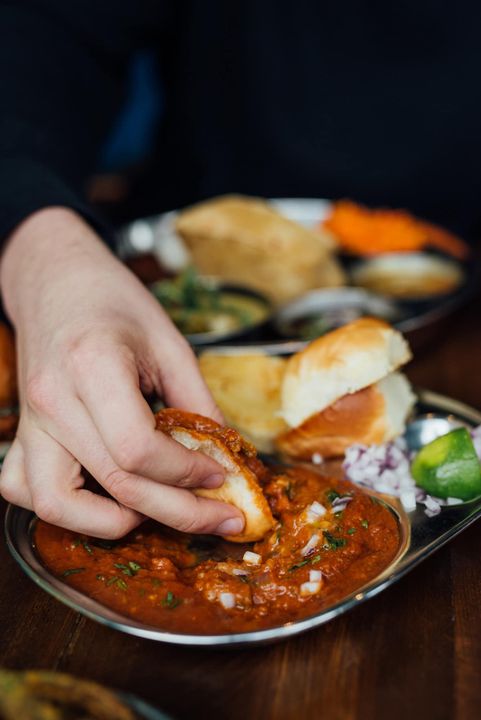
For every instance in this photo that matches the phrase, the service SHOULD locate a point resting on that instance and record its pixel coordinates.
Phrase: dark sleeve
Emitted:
(62, 72)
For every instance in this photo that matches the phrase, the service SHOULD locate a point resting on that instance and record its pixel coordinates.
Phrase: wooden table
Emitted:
(412, 652)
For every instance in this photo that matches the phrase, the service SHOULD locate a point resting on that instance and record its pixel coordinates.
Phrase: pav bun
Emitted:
(340, 363)
(245, 240)
(247, 389)
(237, 457)
(374, 414)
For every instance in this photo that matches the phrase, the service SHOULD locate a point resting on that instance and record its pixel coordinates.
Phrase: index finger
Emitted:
(126, 425)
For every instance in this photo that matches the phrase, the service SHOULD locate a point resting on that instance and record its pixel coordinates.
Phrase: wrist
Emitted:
(43, 250)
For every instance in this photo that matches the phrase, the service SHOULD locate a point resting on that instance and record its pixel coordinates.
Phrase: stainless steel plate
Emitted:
(156, 235)
(420, 534)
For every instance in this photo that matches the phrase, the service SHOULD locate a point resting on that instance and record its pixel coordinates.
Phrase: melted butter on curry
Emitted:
(330, 539)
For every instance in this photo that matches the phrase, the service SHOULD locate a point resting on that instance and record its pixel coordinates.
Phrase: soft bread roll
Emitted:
(340, 363)
(244, 240)
(227, 447)
(247, 389)
(374, 414)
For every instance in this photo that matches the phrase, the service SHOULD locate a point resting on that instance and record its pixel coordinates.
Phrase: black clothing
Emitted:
(365, 99)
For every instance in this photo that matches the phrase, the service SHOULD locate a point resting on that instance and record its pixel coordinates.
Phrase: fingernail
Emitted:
(232, 526)
(213, 481)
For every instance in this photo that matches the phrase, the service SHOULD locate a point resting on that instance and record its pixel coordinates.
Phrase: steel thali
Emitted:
(421, 535)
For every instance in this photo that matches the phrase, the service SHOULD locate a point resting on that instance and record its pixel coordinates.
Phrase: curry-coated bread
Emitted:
(235, 455)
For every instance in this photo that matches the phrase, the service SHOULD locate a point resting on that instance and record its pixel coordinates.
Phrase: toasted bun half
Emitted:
(247, 389)
(340, 363)
(226, 447)
(374, 414)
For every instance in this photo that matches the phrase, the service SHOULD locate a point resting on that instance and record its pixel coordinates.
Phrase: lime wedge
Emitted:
(449, 467)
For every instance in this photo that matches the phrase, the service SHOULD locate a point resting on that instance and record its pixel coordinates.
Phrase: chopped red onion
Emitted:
(386, 469)
(251, 558)
(315, 576)
(310, 588)
(317, 459)
(239, 571)
(408, 499)
(314, 511)
(227, 600)
(310, 545)
(340, 503)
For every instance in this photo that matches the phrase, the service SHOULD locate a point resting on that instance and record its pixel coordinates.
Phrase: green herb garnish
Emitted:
(332, 495)
(72, 571)
(87, 547)
(351, 531)
(170, 601)
(364, 524)
(130, 570)
(313, 559)
(332, 542)
(118, 582)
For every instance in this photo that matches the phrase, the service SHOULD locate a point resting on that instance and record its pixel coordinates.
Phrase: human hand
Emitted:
(90, 338)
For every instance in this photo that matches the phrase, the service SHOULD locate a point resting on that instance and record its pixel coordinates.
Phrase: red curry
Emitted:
(331, 538)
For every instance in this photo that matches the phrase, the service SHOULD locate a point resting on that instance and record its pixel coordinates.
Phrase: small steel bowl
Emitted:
(409, 276)
(337, 306)
(246, 332)
(428, 427)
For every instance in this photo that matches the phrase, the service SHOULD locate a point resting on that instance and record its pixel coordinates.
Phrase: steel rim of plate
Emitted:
(407, 558)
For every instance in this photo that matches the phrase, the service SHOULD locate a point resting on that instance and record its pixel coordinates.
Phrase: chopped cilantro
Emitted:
(351, 531)
(118, 582)
(332, 542)
(170, 601)
(87, 547)
(72, 571)
(313, 559)
(130, 570)
(364, 524)
(332, 495)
